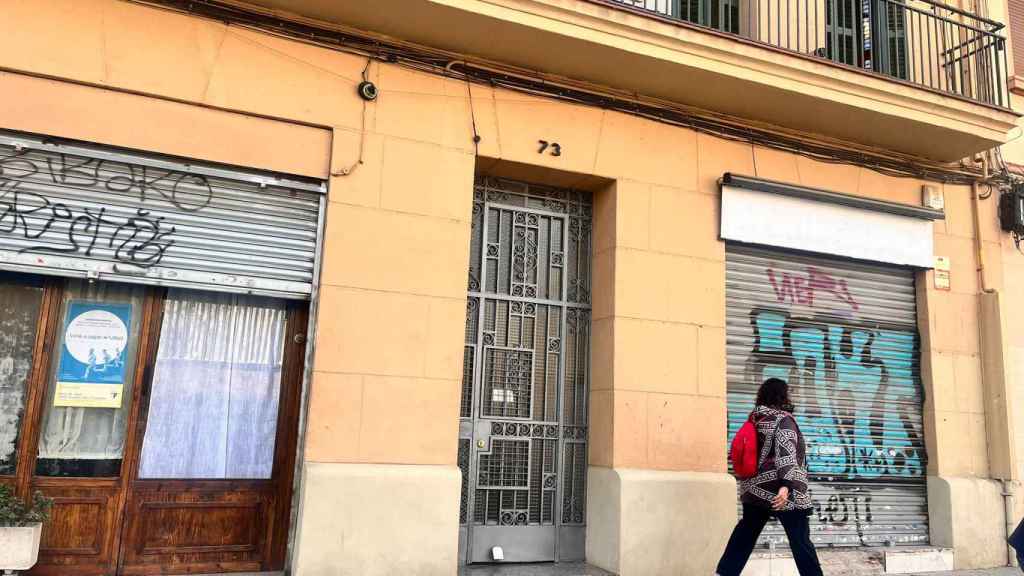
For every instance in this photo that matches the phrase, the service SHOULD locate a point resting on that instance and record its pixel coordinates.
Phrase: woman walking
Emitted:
(779, 488)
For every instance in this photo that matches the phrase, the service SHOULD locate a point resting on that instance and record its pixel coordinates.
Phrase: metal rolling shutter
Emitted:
(87, 211)
(844, 335)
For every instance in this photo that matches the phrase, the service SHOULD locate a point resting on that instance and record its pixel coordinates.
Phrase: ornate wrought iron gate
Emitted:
(523, 424)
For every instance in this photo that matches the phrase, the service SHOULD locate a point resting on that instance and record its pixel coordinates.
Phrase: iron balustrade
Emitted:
(921, 42)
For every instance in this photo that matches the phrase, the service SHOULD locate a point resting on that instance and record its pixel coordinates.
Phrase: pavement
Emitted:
(584, 570)
(540, 569)
(992, 572)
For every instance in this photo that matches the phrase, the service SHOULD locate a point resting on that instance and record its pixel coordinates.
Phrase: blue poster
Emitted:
(93, 356)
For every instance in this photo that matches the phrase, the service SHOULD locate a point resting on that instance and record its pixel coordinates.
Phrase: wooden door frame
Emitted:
(25, 481)
(35, 384)
(293, 370)
(141, 410)
(39, 365)
(155, 298)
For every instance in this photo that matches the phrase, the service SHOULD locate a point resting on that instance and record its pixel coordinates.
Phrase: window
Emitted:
(869, 34)
(843, 36)
(891, 32)
(725, 15)
(721, 15)
(216, 387)
(20, 303)
(1016, 18)
(81, 435)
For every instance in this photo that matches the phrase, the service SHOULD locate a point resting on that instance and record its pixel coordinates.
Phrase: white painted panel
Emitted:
(786, 222)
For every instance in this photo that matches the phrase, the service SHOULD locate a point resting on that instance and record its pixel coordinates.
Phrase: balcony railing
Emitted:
(921, 42)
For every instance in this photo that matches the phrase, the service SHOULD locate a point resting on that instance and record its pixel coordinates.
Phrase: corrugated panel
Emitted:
(844, 336)
(82, 210)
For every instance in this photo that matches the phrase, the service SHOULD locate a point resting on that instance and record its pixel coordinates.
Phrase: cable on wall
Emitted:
(368, 93)
(472, 110)
(531, 82)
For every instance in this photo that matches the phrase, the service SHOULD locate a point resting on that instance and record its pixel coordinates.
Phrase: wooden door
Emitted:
(80, 453)
(135, 485)
(205, 496)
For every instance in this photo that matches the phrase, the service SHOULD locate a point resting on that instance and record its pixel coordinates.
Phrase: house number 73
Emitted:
(554, 147)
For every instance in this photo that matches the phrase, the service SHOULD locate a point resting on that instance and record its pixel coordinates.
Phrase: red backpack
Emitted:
(744, 451)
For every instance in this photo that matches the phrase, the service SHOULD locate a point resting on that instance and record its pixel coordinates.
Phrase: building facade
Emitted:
(392, 287)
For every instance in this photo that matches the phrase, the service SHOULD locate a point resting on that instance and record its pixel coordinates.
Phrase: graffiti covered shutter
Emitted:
(844, 335)
(88, 211)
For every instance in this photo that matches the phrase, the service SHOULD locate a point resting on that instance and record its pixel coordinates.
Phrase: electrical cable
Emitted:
(362, 131)
(530, 82)
(472, 116)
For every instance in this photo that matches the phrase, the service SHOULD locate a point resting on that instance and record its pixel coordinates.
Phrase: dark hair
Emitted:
(774, 393)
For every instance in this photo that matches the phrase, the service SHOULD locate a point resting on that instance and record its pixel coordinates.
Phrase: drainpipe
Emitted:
(1007, 484)
(1008, 489)
(978, 244)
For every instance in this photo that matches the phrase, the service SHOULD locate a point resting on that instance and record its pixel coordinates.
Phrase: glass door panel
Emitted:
(213, 408)
(211, 490)
(87, 403)
(21, 301)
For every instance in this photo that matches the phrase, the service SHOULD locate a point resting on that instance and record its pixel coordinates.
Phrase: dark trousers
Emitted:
(744, 538)
(1017, 541)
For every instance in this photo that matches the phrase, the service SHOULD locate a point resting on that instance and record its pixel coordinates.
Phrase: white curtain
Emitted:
(84, 434)
(214, 401)
(72, 436)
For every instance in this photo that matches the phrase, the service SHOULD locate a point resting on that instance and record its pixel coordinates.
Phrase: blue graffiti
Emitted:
(854, 386)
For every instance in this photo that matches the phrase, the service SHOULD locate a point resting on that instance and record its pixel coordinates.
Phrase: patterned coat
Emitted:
(782, 461)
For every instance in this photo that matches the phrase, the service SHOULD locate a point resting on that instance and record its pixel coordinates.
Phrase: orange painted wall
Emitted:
(387, 368)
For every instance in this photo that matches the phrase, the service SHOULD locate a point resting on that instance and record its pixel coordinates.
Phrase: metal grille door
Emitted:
(844, 335)
(522, 442)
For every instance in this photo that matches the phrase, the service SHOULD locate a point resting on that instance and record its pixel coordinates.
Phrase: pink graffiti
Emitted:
(801, 289)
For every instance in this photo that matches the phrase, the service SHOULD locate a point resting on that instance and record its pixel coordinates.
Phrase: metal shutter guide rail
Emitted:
(817, 195)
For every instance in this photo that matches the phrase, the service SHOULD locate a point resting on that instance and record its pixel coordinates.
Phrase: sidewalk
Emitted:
(991, 572)
(542, 569)
(584, 570)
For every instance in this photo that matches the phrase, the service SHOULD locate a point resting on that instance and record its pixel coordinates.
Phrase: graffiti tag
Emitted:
(856, 389)
(183, 190)
(800, 289)
(854, 386)
(139, 240)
